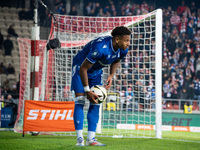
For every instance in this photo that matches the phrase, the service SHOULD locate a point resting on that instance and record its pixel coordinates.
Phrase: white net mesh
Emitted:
(130, 107)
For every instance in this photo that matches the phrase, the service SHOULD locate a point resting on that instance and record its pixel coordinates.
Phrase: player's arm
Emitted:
(84, 78)
(113, 68)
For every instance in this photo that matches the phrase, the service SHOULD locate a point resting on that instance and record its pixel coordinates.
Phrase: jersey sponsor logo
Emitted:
(49, 114)
(113, 56)
(95, 53)
(105, 46)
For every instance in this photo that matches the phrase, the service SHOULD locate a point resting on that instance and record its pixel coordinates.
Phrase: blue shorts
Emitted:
(93, 79)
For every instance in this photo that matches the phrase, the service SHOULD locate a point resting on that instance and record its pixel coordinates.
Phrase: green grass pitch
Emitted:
(171, 141)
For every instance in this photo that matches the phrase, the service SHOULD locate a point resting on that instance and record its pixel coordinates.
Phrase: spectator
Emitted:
(97, 8)
(185, 62)
(8, 46)
(29, 14)
(181, 8)
(194, 18)
(11, 31)
(100, 13)
(181, 80)
(175, 32)
(197, 37)
(1, 40)
(2, 68)
(63, 11)
(197, 89)
(14, 91)
(2, 90)
(22, 14)
(191, 68)
(183, 95)
(187, 12)
(87, 9)
(166, 35)
(183, 37)
(92, 13)
(173, 60)
(13, 104)
(73, 11)
(60, 7)
(166, 17)
(197, 67)
(175, 19)
(187, 49)
(56, 10)
(180, 45)
(6, 92)
(11, 101)
(181, 65)
(193, 8)
(10, 69)
(169, 11)
(164, 104)
(171, 45)
(187, 83)
(57, 3)
(198, 23)
(182, 27)
(191, 93)
(198, 73)
(166, 89)
(107, 14)
(137, 10)
(188, 70)
(174, 93)
(144, 7)
(190, 27)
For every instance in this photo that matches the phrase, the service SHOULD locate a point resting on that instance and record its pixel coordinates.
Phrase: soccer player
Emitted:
(87, 72)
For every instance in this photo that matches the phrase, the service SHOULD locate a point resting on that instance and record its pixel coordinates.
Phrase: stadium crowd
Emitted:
(180, 47)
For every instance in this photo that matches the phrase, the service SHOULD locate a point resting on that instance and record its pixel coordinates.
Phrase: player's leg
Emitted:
(93, 114)
(77, 86)
(79, 118)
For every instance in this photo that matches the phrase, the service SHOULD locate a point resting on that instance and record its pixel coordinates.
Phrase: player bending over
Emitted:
(87, 72)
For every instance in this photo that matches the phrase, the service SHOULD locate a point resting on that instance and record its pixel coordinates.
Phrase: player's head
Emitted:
(121, 37)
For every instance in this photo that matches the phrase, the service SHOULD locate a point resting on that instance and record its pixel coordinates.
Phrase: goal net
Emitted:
(133, 105)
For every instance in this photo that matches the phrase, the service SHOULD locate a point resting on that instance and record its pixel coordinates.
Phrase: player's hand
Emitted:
(92, 97)
(109, 82)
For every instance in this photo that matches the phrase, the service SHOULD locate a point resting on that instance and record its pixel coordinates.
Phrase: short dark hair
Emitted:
(120, 31)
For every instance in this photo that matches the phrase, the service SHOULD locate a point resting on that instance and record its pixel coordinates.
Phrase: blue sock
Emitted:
(93, 117)
(78, 116)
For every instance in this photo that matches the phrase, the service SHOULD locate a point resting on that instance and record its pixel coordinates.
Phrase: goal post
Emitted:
(134, 107)
(158, 74)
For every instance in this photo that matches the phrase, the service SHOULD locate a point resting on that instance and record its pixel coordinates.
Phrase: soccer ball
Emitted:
(101, 92)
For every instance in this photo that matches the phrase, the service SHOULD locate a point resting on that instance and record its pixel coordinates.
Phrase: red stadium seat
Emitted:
(141, 107)
(194, 107)
(169, 105)
(80, 18)
(194, 103)
(105, 19)
(175, 106)
(129, 19)
(86, 19)
(111, 19)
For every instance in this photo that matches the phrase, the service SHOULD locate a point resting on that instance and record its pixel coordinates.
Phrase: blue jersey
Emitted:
(100, 53)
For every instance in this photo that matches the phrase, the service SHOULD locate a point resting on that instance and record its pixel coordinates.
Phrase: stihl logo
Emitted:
(52, 114)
